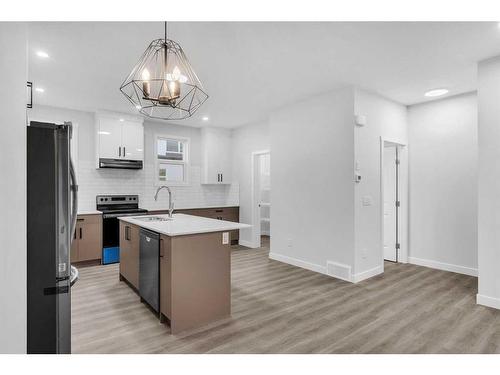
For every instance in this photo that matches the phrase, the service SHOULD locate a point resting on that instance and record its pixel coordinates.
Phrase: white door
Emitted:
(110, 138)
(132, 140)
(390, 203)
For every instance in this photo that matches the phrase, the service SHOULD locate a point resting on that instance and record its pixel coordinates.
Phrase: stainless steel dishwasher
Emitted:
(149, 268)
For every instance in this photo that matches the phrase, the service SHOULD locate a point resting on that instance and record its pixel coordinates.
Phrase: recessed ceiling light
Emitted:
(42, 54)
(436, 92)
(205, 118)
(103, 133)
(138, 106)
(39, 89)
(121, 120)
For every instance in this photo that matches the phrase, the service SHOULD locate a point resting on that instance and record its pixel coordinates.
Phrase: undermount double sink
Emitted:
(153, 218)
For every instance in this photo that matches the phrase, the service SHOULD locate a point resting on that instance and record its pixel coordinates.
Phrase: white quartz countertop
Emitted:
(182, 224)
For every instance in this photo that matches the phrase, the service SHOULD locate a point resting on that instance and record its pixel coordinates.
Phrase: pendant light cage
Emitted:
(163, 84)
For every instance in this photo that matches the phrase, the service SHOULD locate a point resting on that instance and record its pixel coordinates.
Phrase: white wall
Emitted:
(489, 182)
(248, 139)
(94, 181)
(312, 191)
(385, 119)
(13, 75)
(443, 184)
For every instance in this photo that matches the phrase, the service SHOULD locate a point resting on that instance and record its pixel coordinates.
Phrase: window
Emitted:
(172, 160)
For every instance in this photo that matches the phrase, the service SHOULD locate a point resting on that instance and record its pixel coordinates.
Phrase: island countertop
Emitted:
(182, 224)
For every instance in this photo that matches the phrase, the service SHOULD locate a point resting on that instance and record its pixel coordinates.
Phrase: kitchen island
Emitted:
(190, 271)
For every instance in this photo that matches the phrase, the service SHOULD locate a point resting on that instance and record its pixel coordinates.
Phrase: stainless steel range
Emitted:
(113, 207)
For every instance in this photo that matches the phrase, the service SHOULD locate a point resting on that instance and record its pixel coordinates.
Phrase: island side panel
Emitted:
(166, 276)
(201, 280)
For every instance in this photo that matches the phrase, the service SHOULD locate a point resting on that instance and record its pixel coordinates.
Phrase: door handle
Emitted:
(222, 177)
(81, 233)
(30, 86)
(124, 151)
(119, 151)
(218, 177)
(161, 248)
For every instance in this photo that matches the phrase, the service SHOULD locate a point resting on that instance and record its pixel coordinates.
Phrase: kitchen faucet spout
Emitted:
(170, 202)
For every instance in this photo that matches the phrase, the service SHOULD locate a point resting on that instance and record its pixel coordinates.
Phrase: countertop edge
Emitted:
(231, 227)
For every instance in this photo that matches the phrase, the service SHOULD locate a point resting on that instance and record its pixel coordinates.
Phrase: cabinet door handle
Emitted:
(123, 151)
(30, 86)
(119, 151)
(81, 233)
(219, 211)
(161, 248)
(218, 177)
(127, 233)
(222, 177)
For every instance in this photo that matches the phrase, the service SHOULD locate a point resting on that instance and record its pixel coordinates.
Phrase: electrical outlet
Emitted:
(225, 238)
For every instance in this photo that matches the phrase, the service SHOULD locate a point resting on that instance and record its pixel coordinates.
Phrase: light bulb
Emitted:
(176, 74)
(145, 84)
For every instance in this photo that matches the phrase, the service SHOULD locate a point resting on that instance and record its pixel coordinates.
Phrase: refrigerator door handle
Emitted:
(74, 201)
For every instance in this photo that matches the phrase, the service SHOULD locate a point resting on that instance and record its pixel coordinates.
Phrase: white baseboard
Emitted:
(298, 263)
(488, 301)
(356, 278)
(443, 266)
(247, 244)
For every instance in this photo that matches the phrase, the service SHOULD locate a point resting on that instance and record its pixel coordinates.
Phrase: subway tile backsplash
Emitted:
(94, 182)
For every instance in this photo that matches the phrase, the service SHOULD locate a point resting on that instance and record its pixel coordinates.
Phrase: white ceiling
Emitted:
(249, 69)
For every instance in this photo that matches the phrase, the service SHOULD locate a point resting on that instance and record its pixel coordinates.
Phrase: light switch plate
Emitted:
(225, 238)
(360, 120)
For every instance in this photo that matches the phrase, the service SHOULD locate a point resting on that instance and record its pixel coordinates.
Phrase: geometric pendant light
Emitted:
(163, 84)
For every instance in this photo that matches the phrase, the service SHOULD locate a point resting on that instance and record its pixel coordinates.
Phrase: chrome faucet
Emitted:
(170, 203)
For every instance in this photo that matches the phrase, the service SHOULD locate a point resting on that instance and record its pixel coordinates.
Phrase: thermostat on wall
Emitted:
(360, 120)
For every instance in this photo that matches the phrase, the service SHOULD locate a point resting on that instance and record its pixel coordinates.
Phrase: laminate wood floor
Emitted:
(278, 308)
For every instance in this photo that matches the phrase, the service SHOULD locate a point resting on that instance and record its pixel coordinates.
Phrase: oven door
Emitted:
(110, 231)
(111, 227)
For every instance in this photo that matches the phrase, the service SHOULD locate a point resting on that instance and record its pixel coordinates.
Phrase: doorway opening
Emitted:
(393, 201)
(261, 162)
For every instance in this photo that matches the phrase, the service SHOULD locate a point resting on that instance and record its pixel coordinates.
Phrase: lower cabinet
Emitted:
(129, 253)
(87, 239)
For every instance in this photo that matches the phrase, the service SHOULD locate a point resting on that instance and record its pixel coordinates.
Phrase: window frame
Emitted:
(186, 162)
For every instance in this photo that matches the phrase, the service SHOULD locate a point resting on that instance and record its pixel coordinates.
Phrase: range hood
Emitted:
(120, 163)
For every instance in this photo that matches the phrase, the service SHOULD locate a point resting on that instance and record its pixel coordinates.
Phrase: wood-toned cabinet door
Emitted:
(74, 248)
(166, 276)
(129, 253)
(89, 241)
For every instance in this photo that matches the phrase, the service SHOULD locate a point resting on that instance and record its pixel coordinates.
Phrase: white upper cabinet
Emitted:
(119, 138)
(109, 137)
(133, 140)
(216, 156)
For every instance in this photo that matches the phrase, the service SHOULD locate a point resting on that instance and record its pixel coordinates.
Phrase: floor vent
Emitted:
(340, 271)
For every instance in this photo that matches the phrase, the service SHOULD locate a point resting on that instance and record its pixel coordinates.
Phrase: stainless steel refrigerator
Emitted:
(51, 220)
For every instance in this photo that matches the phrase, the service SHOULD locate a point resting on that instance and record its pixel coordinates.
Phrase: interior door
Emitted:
(390, 203)
(132, 140)
(110, 138)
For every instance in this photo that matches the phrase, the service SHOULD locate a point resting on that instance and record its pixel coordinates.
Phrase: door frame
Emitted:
(402, 185)
(255, 208)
